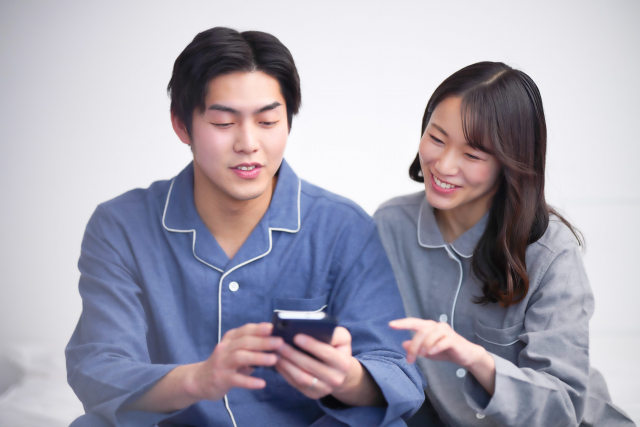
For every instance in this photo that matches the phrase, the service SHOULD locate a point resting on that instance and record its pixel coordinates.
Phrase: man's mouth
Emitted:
(246, 168)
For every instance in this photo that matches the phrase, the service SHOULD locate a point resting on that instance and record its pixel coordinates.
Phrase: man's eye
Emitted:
(222, 125)
(269, 123)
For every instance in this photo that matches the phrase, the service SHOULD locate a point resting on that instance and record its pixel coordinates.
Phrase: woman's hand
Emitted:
(437, 341)
(335, 371)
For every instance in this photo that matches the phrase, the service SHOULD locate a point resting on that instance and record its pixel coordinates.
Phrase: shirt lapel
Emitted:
(283, 214)
(180, 216)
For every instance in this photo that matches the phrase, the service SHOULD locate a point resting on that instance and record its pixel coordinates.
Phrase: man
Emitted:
(179, 281)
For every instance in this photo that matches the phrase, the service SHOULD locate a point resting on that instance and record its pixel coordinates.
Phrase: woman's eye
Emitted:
(436, 140)
(472, 157)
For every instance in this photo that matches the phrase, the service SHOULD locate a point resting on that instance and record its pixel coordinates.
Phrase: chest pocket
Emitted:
(503, 342)
(301, 304)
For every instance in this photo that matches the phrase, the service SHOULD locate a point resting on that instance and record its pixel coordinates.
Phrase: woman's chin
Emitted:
(439, 202)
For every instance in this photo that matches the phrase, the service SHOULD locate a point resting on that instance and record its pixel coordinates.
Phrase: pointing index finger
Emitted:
(410, 323)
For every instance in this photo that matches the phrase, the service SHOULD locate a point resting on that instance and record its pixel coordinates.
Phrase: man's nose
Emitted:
(246, 140)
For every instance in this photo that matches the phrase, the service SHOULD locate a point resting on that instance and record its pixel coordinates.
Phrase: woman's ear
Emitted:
(180, 129)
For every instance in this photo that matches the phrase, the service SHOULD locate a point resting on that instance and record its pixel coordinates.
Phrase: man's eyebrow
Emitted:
(440, 129)
(267, 107)
(218, 107)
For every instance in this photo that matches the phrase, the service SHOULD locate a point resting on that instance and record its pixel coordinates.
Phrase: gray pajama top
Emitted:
(540, 345)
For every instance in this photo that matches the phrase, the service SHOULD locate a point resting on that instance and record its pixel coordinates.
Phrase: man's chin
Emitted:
(247, 194)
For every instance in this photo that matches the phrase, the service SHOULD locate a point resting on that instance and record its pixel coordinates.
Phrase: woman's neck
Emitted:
(453, 223)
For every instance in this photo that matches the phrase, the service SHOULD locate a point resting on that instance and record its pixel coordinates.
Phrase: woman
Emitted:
(491, 275)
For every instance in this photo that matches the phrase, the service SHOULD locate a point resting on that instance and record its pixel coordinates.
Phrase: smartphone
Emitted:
(319, 325)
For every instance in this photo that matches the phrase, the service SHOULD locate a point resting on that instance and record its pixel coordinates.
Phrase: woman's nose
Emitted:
(447, 164)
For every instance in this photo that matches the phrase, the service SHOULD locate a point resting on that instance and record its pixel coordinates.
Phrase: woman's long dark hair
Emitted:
(502, 115)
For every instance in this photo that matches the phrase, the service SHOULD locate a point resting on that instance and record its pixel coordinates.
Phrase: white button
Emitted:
(443, 318)
(479, 416)
(233, 286)
(460, 373)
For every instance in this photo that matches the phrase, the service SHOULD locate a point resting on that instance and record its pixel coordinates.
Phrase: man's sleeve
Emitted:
(108, 363)
(366, 298)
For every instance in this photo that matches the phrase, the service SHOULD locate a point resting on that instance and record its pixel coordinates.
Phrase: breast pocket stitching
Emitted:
(501, 337)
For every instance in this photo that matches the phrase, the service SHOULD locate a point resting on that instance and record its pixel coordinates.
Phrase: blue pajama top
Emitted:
(158, 291)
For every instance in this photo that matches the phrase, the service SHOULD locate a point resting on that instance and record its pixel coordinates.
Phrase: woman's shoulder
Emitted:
(557, 238)
(400, 208)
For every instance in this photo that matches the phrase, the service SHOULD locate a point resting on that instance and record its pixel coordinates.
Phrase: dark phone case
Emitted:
(321, 329)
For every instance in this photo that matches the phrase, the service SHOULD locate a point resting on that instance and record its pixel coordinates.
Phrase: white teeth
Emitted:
(442, 184)
(246, 168)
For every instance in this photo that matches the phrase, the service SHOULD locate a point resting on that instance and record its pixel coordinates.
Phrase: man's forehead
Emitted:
(243, 91)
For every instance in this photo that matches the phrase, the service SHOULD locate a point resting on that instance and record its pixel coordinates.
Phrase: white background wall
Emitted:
(84, 116)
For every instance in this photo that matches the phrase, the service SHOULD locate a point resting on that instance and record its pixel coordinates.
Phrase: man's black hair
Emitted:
(220, 51)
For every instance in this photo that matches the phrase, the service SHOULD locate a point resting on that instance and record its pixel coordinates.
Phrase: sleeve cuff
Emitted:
(480, 400)
(400, 390)
(113, 410)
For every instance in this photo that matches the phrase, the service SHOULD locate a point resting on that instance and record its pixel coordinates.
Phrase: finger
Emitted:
(436, 334)
(310, 365)
(246, 370)
(341, 336)
(256, 343)
(326, 353)
(242, 358)
(303, 360)
(444, 344)
(302, 381)
(260, 329)
(415, 344)
(411, 323)
(244, 381)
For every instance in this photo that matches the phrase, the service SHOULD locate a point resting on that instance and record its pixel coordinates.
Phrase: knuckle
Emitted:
(335, 381)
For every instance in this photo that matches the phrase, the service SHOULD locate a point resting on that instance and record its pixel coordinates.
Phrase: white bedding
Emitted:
(34, 390)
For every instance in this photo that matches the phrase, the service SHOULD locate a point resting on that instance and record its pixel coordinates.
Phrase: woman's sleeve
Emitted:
(108, 364)
(548, 386)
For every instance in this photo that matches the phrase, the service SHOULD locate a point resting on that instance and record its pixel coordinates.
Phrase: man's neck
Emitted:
(231, 221)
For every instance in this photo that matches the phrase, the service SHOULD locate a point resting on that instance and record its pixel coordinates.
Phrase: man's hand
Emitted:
(335, 371)
(232, 361)
(230, 365)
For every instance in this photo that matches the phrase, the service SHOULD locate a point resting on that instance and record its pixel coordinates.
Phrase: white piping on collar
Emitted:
(225, 274)
(452, 256)
(193, 245)
(455, 299)
(459, 253)
(419, 223)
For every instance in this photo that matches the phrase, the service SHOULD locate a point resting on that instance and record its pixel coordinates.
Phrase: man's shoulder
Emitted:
(323, 202)
(139, 202)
